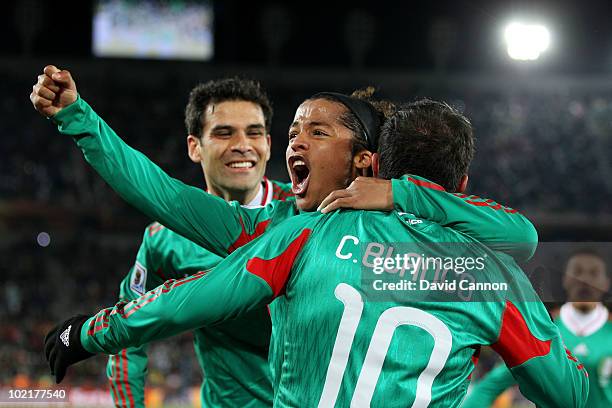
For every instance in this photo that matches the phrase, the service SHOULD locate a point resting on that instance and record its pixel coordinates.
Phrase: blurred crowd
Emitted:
(78, 274)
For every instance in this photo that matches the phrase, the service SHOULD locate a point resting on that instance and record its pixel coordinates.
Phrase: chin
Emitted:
(243, 183)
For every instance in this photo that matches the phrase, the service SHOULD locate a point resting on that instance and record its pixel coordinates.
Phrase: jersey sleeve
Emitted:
(248, 279)
(499, 227)
(532, 348)
(485, 392)
(127, 369)
(201, 217)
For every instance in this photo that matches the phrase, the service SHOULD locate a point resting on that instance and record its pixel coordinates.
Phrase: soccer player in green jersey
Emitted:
(586, 329)
(228, 124)
(341, 344)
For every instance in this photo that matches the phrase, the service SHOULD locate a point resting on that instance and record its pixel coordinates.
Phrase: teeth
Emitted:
(240, 165)
(299, 163)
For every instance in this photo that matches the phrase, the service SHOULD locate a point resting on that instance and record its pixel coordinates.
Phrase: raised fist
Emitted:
(54, 90)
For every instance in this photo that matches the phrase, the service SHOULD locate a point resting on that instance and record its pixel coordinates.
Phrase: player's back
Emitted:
(377, 344)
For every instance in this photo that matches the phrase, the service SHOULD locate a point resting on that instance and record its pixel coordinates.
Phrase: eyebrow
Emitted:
(296, 123)
(231, 128)
(222, 127)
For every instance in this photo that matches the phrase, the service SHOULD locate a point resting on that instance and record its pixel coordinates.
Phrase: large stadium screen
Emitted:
(172, 29)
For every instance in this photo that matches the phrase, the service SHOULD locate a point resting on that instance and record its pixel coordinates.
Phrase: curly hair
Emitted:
(222, 90)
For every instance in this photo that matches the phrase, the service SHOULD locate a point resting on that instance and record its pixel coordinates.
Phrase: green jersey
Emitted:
(588, 338)
(235, 364)
(221, 227)
(341, 344)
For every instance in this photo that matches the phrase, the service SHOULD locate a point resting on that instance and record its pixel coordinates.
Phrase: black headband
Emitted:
(365, 112)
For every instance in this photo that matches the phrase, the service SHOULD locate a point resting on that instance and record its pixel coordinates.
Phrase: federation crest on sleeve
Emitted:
(138, 281)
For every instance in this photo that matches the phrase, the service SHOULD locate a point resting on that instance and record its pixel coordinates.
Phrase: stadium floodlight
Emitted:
(526, 41)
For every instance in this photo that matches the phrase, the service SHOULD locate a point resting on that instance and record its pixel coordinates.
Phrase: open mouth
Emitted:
(300, 175)
(241, 164)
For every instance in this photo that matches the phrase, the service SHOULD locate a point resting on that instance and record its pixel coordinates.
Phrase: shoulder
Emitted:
(280, 191)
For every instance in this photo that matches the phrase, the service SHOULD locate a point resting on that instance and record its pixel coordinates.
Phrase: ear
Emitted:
(194, 147)
(462, 184)
(375, 164)
(363, 162)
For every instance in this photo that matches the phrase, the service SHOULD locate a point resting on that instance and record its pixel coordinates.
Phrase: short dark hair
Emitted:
(429, 139)
(222, 90)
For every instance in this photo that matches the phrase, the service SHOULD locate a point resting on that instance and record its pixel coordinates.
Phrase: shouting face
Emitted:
(319, 155)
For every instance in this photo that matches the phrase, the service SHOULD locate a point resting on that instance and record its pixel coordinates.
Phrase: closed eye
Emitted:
(223, 133)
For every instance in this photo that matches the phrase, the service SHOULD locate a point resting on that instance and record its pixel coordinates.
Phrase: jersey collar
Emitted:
(263, 196)
(583, 324)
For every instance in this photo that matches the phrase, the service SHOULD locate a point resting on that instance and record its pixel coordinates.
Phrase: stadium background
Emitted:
(543, 128)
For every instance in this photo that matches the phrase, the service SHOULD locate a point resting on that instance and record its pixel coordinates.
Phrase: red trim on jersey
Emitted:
(426, 184)
(99, 323)
(475, 358)
(478, 203)
(125, 377)
(118, 368)
(244, 237)
(570, 355)
(279, 194)
(488, 203)
(574, 359)
(151, 296)
(111, 380)
(516, 343)
(276, 271)
(155, 228)
(264, 196)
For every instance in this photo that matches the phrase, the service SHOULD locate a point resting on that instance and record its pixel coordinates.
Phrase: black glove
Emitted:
(63, 346)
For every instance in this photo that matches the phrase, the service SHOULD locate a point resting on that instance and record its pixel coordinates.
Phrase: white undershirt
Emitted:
(583, 324)
(257, 201)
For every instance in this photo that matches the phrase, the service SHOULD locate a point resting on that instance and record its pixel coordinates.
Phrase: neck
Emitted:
(584, 307)
(242, 196)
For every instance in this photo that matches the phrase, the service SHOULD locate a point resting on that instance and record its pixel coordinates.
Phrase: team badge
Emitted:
(139, 278)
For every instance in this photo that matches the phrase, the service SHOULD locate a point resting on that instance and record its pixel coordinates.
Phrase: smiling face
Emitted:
(319, 155)
(233, 150)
